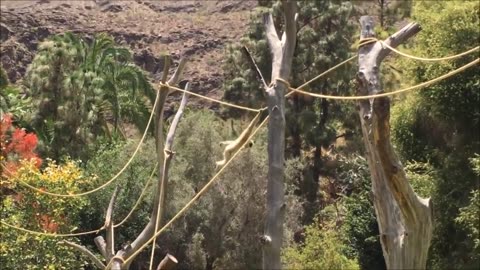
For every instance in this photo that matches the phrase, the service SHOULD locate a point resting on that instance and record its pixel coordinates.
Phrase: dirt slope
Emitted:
(198, 29)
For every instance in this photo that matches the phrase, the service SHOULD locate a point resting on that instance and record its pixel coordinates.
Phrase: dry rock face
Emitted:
(197, 29)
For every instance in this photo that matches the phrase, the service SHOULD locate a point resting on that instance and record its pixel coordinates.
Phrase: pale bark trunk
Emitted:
(149, 229)
(405, 220)
(282, 51)
(168, 263)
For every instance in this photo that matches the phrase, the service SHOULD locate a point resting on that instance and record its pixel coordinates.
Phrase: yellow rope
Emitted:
(327, 71)
(109, 181)
(372, 40)
(89, 232)
(137, 203)
(50, 234)
(195, 198)
(451, 73)
(208, 98)
(430, 59)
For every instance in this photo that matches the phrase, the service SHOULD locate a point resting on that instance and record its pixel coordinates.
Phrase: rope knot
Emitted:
(280, 80)
(366, 41)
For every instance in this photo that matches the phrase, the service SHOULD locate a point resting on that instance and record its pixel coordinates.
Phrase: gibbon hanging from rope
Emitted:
(233, 146)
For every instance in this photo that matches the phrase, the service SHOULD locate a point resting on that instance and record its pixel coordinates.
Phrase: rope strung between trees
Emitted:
(89, 232)
(208, 98)
(451, 73)
(195, 198)
(366, 41)
(137, 203)
(51, 234)
(207, 186)
(109, 181)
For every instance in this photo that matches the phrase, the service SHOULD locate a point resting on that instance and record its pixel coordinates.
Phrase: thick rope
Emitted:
(195, 198)
(51, 234)
(366, 41)
(451, 73)
(89, 232)
(109, 181)
(137, 203)
(208, 98)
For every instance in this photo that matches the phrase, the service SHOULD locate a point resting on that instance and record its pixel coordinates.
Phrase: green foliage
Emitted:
(77, 86)
(439, 125)
(322, 249)
(34, 211)
(107, 161)
(12, 101)
(422, 177)
(469, 217)
(410, 121)
(360, 225)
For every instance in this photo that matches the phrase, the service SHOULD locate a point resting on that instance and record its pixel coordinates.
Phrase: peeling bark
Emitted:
(405, 220)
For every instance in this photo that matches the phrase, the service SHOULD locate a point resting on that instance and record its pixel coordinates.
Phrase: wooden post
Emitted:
(282, 52)
(404, 219)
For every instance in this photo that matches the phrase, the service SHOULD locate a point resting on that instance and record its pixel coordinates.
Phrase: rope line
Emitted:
(137, 203)
(208, 98)
(88, 232)
(50, 234)
(328, 71)
(195, 198)
(109, 181)
(366, 41)
(449, 74)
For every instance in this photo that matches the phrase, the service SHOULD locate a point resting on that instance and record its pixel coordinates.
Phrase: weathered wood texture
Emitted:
(168, 263)
(282, 52)
(405, 220)
(149, 229)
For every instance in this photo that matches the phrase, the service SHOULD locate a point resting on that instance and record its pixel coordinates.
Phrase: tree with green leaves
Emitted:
(324, 36)
(78, 87)
(440, 124)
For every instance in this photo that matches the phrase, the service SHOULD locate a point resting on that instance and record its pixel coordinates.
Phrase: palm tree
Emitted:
(78, 86)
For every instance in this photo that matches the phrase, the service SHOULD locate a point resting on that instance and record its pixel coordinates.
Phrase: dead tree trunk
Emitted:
(116, 260)
(282, 52)
(405, 220)
(160, 187)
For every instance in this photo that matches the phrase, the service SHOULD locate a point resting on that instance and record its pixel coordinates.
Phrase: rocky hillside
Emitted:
(197, 29)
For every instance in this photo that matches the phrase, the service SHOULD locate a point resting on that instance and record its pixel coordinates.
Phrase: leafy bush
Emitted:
(360, 225)
(34, 211)
(17, 145)
(322, 249)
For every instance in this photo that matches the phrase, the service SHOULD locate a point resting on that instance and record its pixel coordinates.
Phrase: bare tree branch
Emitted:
(101, 245)
(249, 56)
(271, 34)
(176, 119)
(98, 263)
(110, 247)
(178, 72)
(149, 229)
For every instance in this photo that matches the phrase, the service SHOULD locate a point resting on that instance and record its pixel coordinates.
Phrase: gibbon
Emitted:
(233, 146)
